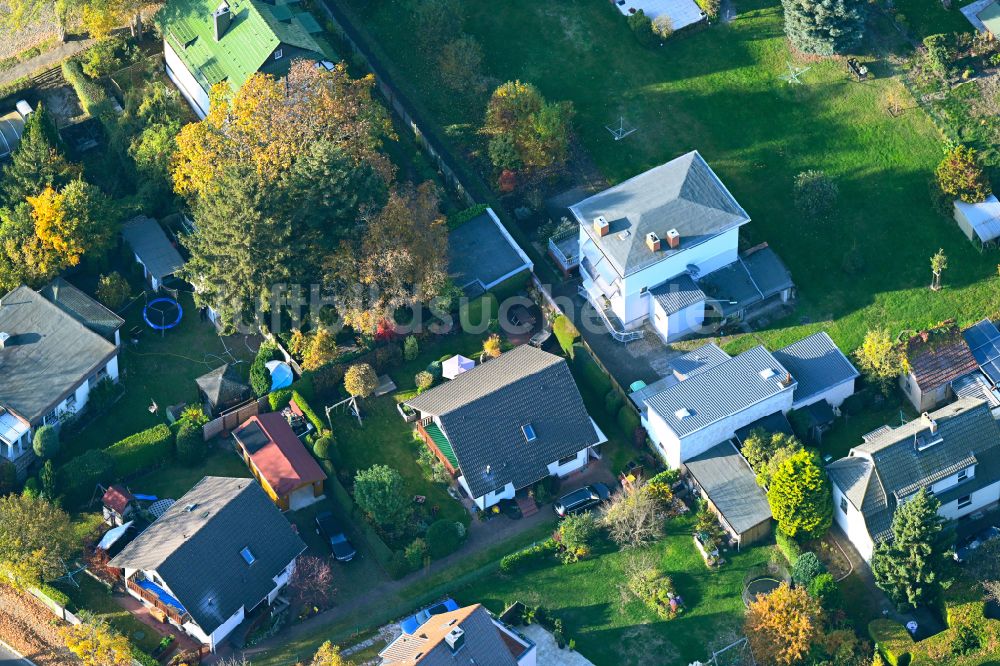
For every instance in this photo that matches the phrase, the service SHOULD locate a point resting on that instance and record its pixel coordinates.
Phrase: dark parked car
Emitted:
(582, 500)
(965, 551)
(415, 621)
(327, 526)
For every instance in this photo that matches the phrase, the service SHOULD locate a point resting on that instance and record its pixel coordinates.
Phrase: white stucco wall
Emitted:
(981, 498)
(677, 450)
(677, 325)
(555, 469)
(192, 91)
(708, 257)
(491, 498)
(76, 401)
(226, 628)
(853, 524)
(835, 395)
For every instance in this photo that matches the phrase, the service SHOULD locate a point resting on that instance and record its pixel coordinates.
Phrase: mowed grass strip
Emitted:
(718, 89)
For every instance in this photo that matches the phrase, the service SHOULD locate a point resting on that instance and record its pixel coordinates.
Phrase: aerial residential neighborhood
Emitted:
(454, 333)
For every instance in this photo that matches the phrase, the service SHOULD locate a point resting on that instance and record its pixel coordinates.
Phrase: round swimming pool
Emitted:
(759, 586)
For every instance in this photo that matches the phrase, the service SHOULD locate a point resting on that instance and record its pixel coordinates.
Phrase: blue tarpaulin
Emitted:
(144, 498)
(161, 594)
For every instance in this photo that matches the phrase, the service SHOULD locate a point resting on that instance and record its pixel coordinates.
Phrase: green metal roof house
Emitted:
(205, 43)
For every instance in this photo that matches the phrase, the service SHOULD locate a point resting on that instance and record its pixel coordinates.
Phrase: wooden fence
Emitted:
(229, 421)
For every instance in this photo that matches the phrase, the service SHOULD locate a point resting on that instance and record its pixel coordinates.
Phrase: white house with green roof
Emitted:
(206, 42)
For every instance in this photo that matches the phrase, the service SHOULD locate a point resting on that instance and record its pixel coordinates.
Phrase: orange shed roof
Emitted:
(277, 453)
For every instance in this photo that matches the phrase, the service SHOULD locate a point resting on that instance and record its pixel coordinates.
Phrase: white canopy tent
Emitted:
(456, 365)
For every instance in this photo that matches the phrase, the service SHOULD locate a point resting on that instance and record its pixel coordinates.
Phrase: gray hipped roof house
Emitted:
(683, 194)
(954, 452)
(84, 309)
(216, 554)
(508, 419)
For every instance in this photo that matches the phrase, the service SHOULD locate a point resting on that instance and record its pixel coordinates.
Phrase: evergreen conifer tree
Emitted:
(824, 27)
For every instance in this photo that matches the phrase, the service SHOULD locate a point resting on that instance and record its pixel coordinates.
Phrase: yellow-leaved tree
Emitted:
(781, 626)
(96, 643)
(70, 223)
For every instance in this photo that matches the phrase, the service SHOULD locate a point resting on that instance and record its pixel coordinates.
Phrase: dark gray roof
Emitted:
(975, 385)
(427, 646)
(677, 294)
(767, 270)
(83, 308)
(720, 391)
(481, 250)
(683, 194)
(755, 276)
(152, 246)
(894, 463)
(771, 424)
(482, 411)
(223, 386)
(48, 354)
(816, 363)
(196, 551)
(731, 485)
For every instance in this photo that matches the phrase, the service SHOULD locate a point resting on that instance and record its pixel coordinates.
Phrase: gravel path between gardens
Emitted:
(46, 60)
(31, 629)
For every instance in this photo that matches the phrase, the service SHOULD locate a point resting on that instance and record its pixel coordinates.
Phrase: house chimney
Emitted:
(601, 226)
(674, 239)
(455, 639)
(4, 337)
(653, 242)
(222, 18)
(931, 423)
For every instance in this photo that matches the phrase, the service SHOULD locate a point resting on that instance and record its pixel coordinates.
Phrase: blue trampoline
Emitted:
(160, 309)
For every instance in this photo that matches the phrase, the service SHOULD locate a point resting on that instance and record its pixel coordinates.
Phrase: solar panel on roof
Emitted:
(980, 334)
(252, 437)
(992, 370)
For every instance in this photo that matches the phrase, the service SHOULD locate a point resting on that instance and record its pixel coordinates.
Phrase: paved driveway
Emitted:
(10, 658)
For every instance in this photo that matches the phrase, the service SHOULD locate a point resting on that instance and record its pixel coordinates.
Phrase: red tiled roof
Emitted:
(937, 357)
(117, 499)
(283, 461)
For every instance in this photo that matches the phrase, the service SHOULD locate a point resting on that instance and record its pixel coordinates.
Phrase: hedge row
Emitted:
(142, 451)
(788, 546)
(308, 411)
(93, 98)
(509, 563)
(461, 217)
(15, 86)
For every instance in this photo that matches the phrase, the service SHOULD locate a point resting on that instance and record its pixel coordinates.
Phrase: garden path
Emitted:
(45, 60)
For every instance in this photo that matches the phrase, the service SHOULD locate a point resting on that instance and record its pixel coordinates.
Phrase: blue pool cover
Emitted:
(161, 593)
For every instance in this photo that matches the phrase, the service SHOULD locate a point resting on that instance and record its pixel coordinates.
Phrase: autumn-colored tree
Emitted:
(95, 643)
(70, 223)
(35, 539)
(960, 175)
(320, 349)
(460, 65)
(268, 121)
(765, 453)
(781, 626)
(525, 131)
(328, 654)
(360, 380)
(800, 497)
(312, 583)
(491, 346)
(880, 358)
(403, 259)
(634, 516)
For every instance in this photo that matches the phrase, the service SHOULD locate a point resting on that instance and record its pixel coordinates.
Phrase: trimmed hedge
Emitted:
(142, 451)
(55, 595)
(78, 477)
(308, 411)
(143, 658)
(461, 217)
(509, 563)
(565, 333)
(443, 538)
(788, 546)
(892, 640)
(628, 420)
(279, 399)
(93, 98)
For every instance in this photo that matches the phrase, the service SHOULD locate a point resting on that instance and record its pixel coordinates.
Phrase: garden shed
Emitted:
(152, 249)
(222, 388)
(724, 479)
(980, 222)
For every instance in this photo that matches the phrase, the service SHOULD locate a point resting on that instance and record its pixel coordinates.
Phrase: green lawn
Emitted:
(385, 439)
(161, 369)
(96, 598)
(176, 479)
(587, 598)
(848, 430)
(718, 90)
(927, 17)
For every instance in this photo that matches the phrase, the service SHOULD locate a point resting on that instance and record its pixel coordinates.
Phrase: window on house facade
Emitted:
(277, 54)
(567, 460)
(963, 475)
(964, 501)
(843, 505)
